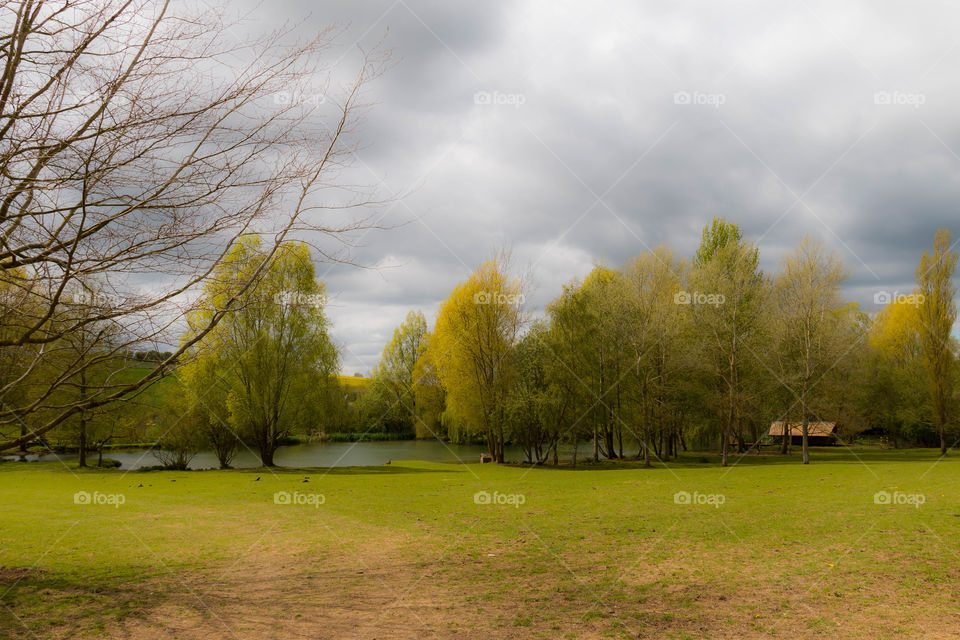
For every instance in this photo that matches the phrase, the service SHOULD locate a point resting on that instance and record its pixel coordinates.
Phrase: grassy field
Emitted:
(769, 548)
(354, 382)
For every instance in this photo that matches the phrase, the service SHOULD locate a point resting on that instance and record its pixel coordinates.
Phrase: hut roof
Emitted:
(796, 428)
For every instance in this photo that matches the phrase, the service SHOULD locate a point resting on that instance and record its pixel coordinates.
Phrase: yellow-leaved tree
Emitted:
(477, 328)
(937, 314)
(895, 396)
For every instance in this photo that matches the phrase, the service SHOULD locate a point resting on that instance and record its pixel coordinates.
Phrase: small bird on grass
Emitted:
(258, 479)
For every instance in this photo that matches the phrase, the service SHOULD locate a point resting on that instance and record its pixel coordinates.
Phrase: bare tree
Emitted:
(811, 333)
(137, 142)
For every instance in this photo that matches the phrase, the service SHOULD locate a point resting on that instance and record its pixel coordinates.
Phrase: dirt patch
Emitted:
(12, 575)
(394, 588)
(370, 593)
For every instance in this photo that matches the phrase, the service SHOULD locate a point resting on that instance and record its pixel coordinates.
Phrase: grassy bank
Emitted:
(369, 437)
(769, 548)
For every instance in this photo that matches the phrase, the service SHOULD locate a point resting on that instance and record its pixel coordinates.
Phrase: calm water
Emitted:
(331, 454)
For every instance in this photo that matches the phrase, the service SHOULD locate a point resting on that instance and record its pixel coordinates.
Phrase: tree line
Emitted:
(663, 355)
(656, 357)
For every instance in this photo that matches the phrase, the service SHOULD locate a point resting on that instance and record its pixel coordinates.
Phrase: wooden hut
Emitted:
(819, 434)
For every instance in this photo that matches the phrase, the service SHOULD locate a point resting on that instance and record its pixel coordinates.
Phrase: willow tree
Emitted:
(477, 327)
(396, 369)
(570, 343)
(270, 356)
(937, 314)
(811, 319)
(138, 141)
(429, 395)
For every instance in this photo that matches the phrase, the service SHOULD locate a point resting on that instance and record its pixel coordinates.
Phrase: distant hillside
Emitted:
(157, 394)
(161, 391)
(354, 383)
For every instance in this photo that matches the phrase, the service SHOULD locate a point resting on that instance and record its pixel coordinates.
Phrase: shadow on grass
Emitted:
(39, 604)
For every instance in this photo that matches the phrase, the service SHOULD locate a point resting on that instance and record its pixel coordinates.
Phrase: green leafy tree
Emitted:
(272, 356)
(726, 306)
(587, 338)
(535, 409)
(429, 395)
(396, 369)
(656, 326)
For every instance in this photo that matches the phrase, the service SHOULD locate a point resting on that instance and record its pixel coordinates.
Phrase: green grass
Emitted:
(158, 394)
(789, 551)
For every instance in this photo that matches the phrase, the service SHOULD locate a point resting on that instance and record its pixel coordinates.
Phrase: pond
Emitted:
(328, 454)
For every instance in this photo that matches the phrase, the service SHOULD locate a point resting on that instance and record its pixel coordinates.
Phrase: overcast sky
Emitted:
(582, 132)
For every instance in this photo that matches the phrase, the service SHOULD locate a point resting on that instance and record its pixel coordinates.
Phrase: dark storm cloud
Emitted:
(506, 123)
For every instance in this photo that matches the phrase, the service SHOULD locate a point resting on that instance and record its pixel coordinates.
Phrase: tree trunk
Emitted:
(82, 459)
(645, 445)
(941, 417)
(596, 444)
(806, 428)
(608, 440)
(23, 443)
(267, 449)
